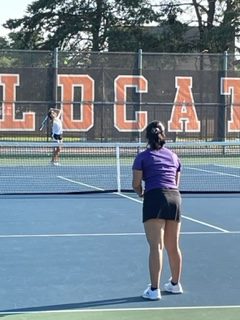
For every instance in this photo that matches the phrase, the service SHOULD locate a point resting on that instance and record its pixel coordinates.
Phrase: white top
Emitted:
(57, 126)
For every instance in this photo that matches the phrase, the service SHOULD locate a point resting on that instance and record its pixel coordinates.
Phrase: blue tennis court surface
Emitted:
(89, 252)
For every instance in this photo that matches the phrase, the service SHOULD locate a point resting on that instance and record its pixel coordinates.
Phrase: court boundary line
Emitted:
(80, 183)
(121, 309)
(214, 172)
(206, 224)
(223, 165)
(123, 234)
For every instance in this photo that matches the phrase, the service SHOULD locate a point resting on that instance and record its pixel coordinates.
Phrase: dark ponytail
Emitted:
(155, 135)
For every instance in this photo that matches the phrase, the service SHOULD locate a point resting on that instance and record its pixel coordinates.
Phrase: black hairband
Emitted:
(156, 130)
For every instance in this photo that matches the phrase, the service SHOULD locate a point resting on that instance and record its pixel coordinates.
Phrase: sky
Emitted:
(11, 9)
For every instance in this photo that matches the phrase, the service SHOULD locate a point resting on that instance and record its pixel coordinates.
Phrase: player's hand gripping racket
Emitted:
(43, 123)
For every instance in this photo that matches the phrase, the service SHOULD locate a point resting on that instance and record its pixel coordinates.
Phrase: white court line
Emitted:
(71, 235)
(224, 166)
(16, 176)
(215, 172)
(205, 224)
(87, 310)
(187, 218)
(80, 183)
(83, 235)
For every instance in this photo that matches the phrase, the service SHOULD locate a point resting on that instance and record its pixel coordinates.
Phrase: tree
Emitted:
(76, 24)
(168, 34)
(122, 25)
(4, 44)
(218, 24)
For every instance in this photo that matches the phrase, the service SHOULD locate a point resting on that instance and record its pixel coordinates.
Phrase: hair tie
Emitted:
(156, 131)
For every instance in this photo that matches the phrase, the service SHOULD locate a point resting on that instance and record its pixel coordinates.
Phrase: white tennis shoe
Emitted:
(152, 294)
(55, 163)
(169, 287)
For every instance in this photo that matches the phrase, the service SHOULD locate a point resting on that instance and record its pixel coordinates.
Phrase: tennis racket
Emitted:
(43, 123)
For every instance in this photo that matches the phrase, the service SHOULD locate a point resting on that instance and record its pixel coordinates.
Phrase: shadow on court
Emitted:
(85, 305)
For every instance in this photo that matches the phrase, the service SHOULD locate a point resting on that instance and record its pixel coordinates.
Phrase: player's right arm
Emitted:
(137, 182)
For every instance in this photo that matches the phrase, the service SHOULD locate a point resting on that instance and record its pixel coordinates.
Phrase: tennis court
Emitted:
(83, 254)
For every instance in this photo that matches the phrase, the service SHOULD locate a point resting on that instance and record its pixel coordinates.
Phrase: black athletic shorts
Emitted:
(57, 137)
(162, 204)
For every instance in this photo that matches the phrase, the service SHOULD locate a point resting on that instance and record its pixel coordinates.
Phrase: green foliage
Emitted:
(4, 44)
(123, 25)
(6, 62)
(75, 24)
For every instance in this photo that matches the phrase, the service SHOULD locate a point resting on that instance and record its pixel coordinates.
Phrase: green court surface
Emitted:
(188, 313)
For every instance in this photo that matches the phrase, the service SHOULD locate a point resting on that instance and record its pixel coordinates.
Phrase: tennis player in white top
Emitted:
(57, 133)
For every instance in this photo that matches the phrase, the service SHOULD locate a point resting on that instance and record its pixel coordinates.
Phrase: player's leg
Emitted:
(171, 242)
(57, 152)
(54, 155)
(154, 230)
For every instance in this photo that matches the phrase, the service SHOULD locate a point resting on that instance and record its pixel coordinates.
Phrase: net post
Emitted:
(118, 168)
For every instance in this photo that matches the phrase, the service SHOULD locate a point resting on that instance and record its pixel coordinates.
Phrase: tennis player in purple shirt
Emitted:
(156, 174)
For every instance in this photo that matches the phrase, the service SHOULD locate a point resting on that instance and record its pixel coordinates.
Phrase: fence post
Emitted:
(140, 94)
(55, 75)
(225, 70)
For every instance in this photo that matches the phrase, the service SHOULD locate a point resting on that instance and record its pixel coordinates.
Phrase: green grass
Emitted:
(223, 313)
(93, 160)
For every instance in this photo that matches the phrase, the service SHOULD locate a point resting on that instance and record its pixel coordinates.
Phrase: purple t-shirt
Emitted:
(159, 168)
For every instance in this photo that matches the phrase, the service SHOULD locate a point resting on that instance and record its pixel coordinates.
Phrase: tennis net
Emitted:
(25, 168)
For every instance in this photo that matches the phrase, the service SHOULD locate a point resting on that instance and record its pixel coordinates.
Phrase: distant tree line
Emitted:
(126, 25)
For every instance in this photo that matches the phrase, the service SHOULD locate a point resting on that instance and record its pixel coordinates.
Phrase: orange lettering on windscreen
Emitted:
(184, 115)
(86, 84)
(8, 121)
(121, 122)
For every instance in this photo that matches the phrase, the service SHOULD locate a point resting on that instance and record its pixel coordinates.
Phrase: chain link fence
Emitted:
(110, 97)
